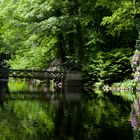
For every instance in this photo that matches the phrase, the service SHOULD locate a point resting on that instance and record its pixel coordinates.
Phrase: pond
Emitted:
(34, 111)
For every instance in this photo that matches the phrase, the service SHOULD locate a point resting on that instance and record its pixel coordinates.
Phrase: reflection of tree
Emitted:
(106, 118)
(89, 119)
(68, 118)
(3, 91)
(135, 114)
(25, 120)
(64, 117)
(135, 118)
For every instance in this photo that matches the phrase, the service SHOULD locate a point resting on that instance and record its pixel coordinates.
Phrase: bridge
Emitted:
(31, 74)
(69, 78)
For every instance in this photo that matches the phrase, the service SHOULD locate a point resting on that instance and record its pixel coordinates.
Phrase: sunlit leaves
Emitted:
(34, 24)
(35, 57)
(123, 18)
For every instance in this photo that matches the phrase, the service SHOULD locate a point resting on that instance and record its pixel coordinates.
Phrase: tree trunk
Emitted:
(80, 47)
(71, 34)
(61, 47)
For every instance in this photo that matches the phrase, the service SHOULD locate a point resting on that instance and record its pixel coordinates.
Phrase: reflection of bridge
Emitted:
(31, 74)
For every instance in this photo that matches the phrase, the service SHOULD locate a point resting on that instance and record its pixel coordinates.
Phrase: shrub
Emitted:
(109, 67)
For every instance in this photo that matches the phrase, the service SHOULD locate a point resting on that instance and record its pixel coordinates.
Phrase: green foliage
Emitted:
(33, 25)
(24, 120)
(34, 57)
(32, 33)
(123, 18)
(109, 67)
(100, 110)
(17, 85)
(125, 85)
(99, 85)
(126, 95)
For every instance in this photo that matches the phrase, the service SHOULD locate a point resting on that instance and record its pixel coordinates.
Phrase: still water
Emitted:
(34, 111)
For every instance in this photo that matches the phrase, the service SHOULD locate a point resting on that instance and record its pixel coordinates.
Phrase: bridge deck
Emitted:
(32, 74)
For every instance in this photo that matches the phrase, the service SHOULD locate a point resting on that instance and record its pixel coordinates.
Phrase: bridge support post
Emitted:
(73, 81)
(4, 73)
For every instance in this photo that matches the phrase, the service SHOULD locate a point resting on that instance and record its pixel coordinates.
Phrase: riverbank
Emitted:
(127, 85)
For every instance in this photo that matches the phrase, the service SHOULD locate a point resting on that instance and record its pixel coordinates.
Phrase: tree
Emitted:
(38, 31)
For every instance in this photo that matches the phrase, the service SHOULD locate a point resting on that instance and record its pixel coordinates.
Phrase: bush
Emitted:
(109, 67)
(126, 84)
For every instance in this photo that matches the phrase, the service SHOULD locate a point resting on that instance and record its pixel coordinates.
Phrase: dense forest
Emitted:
(101, 36)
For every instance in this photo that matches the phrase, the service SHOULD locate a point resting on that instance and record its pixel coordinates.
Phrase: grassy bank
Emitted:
(128, 85)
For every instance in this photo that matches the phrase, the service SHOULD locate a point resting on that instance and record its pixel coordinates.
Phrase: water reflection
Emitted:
(135, 114)
(41, 114)
(135, 117)
(25, 120)
(68, 118)
(3, 90)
